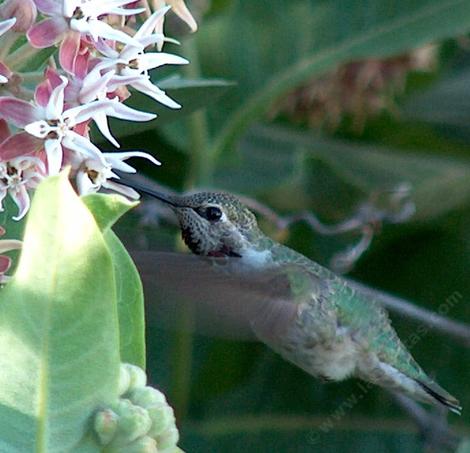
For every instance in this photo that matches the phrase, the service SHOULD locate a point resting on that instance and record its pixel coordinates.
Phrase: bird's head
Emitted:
(214, 223)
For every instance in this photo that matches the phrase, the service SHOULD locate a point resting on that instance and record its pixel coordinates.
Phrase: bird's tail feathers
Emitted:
(419, 386)
(436, 393)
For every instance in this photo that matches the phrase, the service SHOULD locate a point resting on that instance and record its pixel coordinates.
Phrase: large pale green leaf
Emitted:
(309, 37)
(130, 299)
(59, 343)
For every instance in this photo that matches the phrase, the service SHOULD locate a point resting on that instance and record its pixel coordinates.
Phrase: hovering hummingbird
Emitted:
(307, 314)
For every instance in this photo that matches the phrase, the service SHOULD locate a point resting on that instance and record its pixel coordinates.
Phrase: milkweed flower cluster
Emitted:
(104, 47)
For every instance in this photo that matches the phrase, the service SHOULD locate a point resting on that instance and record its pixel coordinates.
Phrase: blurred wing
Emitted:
(223, 300)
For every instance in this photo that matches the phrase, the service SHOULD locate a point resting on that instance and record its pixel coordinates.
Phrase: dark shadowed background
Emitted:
(317, 105)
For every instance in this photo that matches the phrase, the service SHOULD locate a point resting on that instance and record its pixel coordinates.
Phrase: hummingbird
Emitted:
(310, 316)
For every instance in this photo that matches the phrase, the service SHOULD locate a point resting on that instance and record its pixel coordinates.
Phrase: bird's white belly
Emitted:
(255, 258)
(331, 361)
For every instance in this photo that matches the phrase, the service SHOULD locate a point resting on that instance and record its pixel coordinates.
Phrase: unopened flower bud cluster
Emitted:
(140, 421)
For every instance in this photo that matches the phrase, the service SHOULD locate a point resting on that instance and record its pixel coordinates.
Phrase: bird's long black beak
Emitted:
(168, 199)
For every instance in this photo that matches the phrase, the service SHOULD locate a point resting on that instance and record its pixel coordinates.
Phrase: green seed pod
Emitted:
(146, 397)
(134, 422)
(124, 380)
(105, 425)
(167, 441)
(138, 378)
(162, 417)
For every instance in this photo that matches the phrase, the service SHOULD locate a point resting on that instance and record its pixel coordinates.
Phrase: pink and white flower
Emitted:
(16, 177)
(4, 27)
(133, 62)
(24, 11)
(180, 9)
(69, 20)
(92, 174)
(86, 88)
(101, 60)
(56, 126)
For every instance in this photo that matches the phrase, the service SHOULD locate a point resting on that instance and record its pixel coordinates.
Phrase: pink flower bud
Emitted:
(24, 10)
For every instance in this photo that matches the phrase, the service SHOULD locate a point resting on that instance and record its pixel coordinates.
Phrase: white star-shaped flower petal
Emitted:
(92, 175)
(17, 176)
(133, 62)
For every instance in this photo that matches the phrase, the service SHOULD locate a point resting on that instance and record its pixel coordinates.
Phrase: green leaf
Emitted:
(191, 94)
(336, 32)
(446, 102)
(27, 59)
(59, 344)
(38, 61)
(130, 303)
(107, 208)
(129, 293)
(180, 83)
(288, 163)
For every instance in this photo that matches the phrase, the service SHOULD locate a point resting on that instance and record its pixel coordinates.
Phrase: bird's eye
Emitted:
(213, 213)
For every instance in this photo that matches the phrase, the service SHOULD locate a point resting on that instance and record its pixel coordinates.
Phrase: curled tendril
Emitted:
(393, 206)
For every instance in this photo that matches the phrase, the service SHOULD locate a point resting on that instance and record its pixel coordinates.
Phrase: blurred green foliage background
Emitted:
(314, 105)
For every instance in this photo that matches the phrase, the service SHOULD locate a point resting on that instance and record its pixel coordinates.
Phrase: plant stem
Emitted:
(197, 176)
(199, 170)
(435, 432)
(436, 321)
(182, 361)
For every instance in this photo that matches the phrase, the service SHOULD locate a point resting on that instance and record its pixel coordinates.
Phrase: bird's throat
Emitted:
(196, 247)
